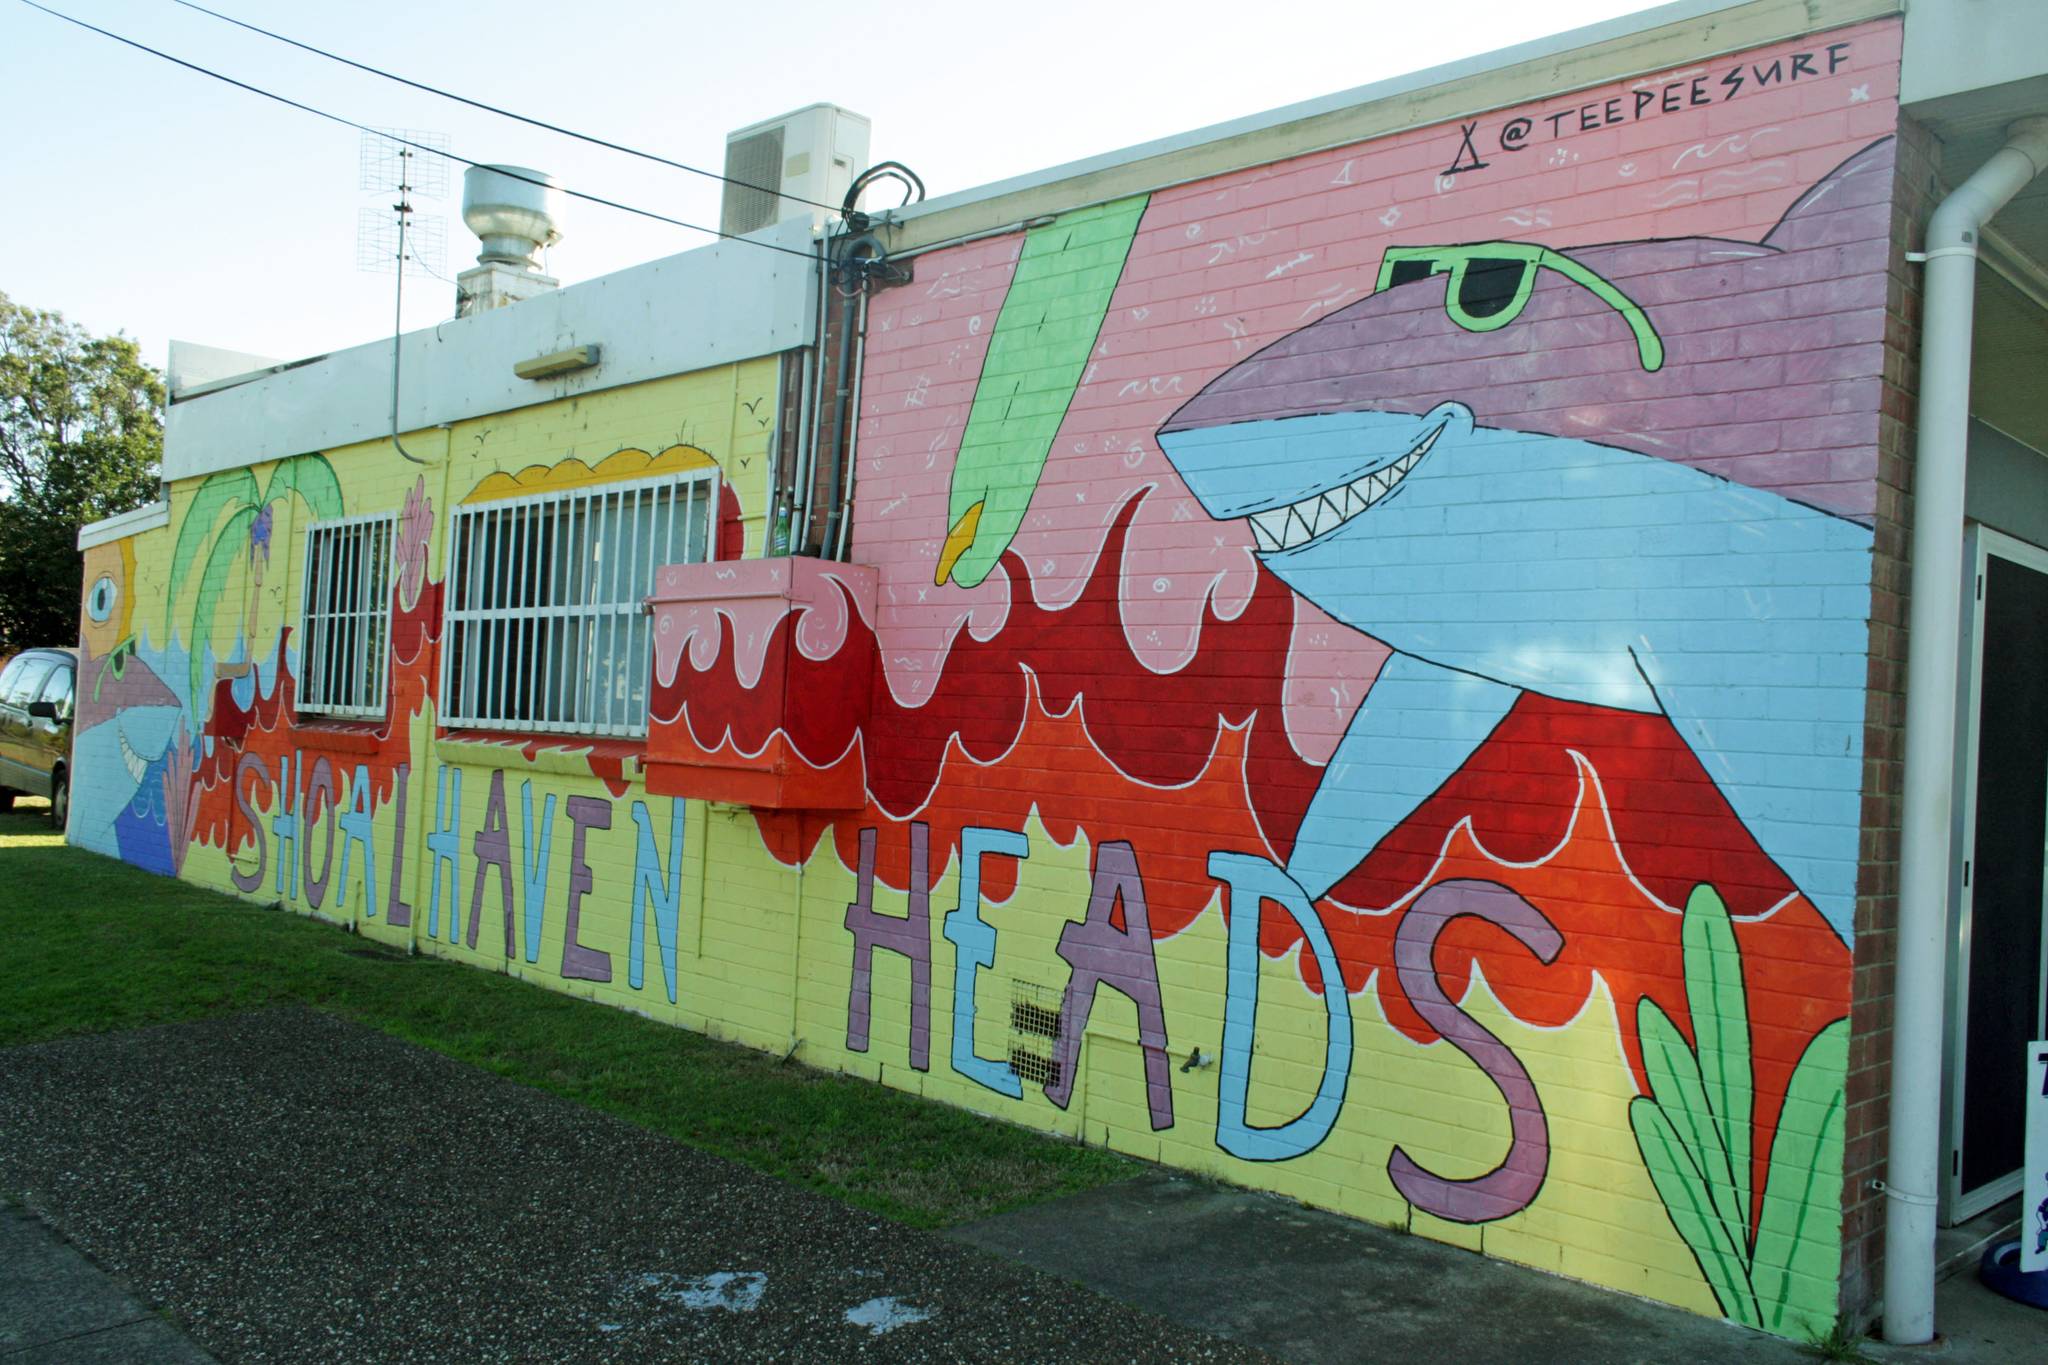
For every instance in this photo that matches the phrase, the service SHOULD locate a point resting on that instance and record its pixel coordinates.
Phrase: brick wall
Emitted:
(1869, 1080)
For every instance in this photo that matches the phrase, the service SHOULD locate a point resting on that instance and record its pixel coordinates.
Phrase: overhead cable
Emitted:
(507, 172)
(494, 109)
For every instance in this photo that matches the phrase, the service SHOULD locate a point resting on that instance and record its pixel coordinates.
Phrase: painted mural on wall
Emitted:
(1365, 695)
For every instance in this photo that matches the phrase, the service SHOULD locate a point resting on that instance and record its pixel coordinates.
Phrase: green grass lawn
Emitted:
(94, 945)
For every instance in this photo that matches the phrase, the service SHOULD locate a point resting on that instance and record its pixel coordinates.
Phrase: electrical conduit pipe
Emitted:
(1912, 1165)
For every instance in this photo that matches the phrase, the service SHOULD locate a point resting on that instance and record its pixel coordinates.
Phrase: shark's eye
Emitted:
(1488, 284)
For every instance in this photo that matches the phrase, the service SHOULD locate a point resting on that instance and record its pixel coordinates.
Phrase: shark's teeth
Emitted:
(1298, 523)
(1321, 516)
(1301, 526)
(135, 763)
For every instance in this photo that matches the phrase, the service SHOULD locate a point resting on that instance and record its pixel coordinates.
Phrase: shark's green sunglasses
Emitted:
(1490, 283)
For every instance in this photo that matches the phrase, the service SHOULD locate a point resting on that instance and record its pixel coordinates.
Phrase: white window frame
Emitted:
(582, 618)
(336, 678)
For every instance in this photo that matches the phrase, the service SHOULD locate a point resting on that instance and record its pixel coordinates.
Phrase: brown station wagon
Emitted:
(36, 688)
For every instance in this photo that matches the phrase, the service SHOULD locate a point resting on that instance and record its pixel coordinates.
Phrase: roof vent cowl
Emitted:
(515, 212)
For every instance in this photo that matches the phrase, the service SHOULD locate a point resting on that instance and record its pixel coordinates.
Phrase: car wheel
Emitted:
(6, 800)
(60, 804)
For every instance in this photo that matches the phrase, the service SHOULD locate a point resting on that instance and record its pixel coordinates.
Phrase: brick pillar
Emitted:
(1915, 193)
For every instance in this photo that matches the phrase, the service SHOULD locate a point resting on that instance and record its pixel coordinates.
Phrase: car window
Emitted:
(8, 674)
(58, 689)
(24, 683)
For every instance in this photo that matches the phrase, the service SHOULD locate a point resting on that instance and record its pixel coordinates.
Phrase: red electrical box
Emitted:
(761, 666)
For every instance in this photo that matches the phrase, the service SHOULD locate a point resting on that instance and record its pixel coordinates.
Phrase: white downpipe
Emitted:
(1913, 1163)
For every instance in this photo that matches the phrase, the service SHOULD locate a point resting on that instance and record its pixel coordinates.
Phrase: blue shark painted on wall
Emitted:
(1499, 546)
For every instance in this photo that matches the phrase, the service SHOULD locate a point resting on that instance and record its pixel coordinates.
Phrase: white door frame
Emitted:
(1981, 545)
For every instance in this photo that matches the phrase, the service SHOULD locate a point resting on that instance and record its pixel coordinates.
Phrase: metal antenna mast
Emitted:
(391, 162)
(404, 210)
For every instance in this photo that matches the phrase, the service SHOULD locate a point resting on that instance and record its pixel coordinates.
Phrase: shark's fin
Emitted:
(1417, 726)
(1863, 182)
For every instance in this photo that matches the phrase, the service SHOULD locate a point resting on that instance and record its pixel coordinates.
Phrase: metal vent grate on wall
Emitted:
(755, 160)
(1034, 1067)
(1034, 1024)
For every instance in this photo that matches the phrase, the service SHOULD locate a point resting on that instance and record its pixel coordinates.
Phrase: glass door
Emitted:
(1999, 978)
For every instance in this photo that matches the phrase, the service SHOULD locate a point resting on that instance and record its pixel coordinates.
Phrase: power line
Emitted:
(502, 113)
(379, 132)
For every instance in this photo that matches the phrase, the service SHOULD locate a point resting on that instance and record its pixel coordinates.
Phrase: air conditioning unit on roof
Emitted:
(788, 167)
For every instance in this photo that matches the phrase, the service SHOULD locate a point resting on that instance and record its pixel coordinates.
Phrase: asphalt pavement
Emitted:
(290, 1187)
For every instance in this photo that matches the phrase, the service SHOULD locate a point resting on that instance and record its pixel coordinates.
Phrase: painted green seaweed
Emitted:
(244, 535)
(1037, 359)
(1693, 1129)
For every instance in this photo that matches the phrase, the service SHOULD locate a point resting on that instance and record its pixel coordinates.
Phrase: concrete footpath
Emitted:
(1310, 1286)
(285, 1186)
(57, 1307)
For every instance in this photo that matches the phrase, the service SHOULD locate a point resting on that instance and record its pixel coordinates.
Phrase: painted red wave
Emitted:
(1159, 730)
(1615, 930)
(269, 725)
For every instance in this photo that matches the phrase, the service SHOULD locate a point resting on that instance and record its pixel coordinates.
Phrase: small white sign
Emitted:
(2034, 1191)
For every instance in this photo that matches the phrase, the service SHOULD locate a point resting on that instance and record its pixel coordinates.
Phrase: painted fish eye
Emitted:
(100, 600)
(1490, 283)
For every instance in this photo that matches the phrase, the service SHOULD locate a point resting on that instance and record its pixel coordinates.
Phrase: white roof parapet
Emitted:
(729, 301)
(122, 525)
(196, 369)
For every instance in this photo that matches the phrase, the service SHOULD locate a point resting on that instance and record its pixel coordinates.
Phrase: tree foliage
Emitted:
(81, 437)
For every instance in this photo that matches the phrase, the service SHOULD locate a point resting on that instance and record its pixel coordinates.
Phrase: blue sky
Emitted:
(145, 199)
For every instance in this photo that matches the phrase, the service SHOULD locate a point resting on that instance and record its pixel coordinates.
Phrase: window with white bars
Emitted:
(345, 627)
(544, 627)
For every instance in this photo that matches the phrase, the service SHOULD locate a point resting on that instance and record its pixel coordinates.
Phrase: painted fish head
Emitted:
(121, 682)
(1300, 479)
(1640, 346)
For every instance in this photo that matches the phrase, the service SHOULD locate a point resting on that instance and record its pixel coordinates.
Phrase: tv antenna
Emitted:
(396, 237)
(408, 164)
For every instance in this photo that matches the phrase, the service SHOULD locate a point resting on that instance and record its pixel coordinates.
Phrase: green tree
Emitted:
(81, 437)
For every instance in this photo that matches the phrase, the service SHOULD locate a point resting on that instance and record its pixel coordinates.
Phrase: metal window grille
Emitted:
(345, 626)
(545, 628)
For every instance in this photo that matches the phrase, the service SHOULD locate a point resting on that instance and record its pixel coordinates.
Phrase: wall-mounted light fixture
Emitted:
(561, 362)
